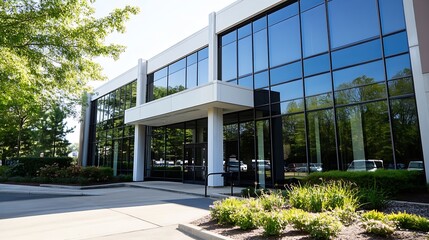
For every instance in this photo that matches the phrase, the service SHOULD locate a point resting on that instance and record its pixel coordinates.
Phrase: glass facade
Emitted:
(332, 84)
(188, 72)
(112, 142)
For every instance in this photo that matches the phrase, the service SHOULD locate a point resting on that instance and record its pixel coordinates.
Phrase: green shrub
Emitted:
(383, 228)
(410, 221)
(246, 216)
(346, 215)
(324, 226)
(373, 198)
(273, 223)
(4, 171)
(299, 218)
(29, 166)
(374, 215)
(222, 211)
(253, 192)
(387, 180)
(323, 197)
(97, 174)
(272, 201)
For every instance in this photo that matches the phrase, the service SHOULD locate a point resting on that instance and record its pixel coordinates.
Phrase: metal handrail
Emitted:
(219, 173)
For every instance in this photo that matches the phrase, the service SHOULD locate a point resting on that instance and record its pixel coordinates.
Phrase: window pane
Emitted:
(203, 73)
(191, 76)
(160, 88)
(316, 65)
(229, 61)
(318, 84)
(261, 96)
(292, 106)
(176, 82)
(321, 139)
(259, 24)
(294, 139)
(398, 67)
(286, 73)
(260, 50)
(245, 56)
(392, 15)
(246, 82)
(285, 43)
(395, 44)
(229, 38)
(191, 59)
(261, 80)
(176, 66)
(319, 101)
(356, 54)
(203, 54)
(406, 132)
(263, 153)
(352, 20)
(401, 86)
(244, 31)
(314, 32)
(287, 91)
(364, 133)
(160, 74)
(307, 4)
(359, 75)
(283, 14)
(361, 94)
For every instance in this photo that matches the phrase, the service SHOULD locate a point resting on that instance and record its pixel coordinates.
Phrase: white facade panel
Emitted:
(190, 44)
(116, 83)
(241, 11)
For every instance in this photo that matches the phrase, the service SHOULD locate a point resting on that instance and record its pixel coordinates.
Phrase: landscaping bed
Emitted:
(331, 210)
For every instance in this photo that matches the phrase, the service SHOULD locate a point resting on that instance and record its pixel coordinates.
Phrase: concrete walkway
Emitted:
(140, 210)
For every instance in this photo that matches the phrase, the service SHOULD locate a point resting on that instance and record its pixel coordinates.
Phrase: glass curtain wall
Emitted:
(332, 84)
(178, 152)
(112, 141)
(188, 72)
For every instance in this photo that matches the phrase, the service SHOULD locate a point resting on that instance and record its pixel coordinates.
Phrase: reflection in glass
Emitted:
(321, 138)
(314, 32)
(282, 14)
(356, 54)
(359, 75)
(293, 128)
(395, 44)
(284, 42)
(307, 4)
(191, 76)
(160, 88)
(364, 133)
(244, 31)
(261, 96)
(287, 91)
(259, 24)
(246, 82)
(261, 80)
(176, 82)
(402, 86)
(316, 65)
(406, 132)
(285, 73)
(392, 15)
(203, 72)
(245, 56)
(318, 84)
(263, 153)
(319, 101)
(229, 61)
(229, 38)
(247, 152)
(398, 67)
(347, 17)
(260, 50)
(292, 106)
(361, 94)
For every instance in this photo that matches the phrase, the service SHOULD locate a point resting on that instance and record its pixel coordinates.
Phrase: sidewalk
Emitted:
(177, 187)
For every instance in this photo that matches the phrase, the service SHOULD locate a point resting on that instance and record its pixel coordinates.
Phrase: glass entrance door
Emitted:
(195, 163)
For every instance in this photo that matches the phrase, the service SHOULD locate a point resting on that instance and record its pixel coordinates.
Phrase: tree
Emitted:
(50, 45)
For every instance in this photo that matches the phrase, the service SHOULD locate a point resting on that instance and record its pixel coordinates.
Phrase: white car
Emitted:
(370, 165)
(415, 166)
(233, 166)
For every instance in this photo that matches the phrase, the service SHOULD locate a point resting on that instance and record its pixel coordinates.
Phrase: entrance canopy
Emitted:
(191, 104)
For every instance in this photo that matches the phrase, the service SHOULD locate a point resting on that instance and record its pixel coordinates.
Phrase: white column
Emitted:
(213, 44)
(140, 130)
(84, 133)
(215, 146)
(421, 81)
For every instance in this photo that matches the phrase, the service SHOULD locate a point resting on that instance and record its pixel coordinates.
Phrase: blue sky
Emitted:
(159, 25)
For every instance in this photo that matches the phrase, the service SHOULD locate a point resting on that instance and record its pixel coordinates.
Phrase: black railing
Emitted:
(230, 173)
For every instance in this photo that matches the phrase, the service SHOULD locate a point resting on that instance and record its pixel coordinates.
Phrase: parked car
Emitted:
(369, 165)
(233, 166)
(261, 164)
(415, 166)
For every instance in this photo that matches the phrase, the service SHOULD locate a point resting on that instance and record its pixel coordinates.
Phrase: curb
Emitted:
(101, 186)
(200, 233)
(38, 192)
